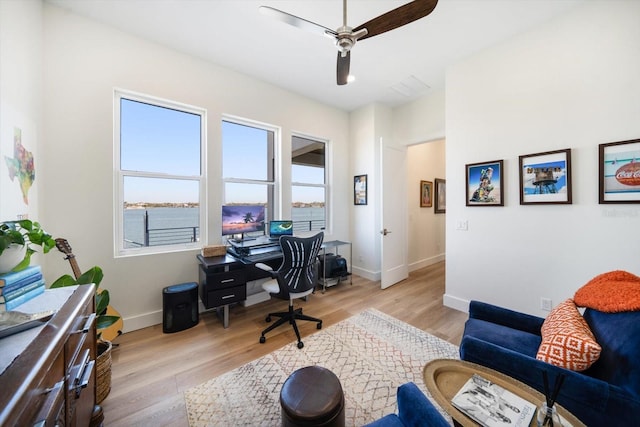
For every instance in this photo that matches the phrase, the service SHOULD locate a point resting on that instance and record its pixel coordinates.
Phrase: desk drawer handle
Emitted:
(84, 375)
(53, 405)
(88, 324)
(227, 280)
(228, 296)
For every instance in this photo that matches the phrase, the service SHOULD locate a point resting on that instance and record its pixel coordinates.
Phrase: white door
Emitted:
(394, 214)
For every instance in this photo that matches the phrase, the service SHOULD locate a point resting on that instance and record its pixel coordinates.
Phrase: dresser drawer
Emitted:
(218, 297)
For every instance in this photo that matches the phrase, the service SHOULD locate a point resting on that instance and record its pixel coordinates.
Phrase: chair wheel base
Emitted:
(267, 319)
(263, 340)
(300, 344)
(319, 325)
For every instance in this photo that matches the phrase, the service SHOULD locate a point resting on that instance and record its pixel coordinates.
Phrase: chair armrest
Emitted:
(264, 267)
(267, 268)
(505, 317)
(416, 410)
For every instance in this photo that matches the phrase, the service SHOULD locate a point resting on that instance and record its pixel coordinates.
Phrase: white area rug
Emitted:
(371, 353)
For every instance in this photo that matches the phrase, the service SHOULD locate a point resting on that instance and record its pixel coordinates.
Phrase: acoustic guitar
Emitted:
(111, 332)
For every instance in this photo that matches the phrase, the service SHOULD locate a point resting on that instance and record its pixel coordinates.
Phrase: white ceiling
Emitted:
(232, 33)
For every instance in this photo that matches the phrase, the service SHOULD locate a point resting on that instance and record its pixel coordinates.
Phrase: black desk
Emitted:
(223, 280)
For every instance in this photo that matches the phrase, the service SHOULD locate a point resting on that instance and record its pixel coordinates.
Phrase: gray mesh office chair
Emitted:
(296, 278)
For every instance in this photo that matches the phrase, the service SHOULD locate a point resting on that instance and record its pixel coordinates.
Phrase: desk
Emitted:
(223, 281)
(444, 377)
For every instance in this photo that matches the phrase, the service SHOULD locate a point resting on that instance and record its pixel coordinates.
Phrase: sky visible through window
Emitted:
(162, 140)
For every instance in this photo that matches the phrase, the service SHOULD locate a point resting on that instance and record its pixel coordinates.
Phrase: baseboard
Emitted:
(142, 321)
(426, 262)
(370, 275)
(455, 303)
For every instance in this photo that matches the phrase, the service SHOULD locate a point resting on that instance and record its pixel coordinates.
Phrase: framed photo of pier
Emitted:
(545, 178)
(485, 183)
(440, 196)
(426, 194)
(360, 190)
(619, 171)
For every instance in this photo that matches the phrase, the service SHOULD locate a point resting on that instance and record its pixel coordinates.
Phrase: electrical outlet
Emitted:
(462, 225)
(545, 304)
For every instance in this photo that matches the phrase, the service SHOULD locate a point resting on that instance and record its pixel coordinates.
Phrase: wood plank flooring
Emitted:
(151, 369)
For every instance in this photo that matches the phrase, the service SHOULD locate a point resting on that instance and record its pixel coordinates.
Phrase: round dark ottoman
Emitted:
(312, 396)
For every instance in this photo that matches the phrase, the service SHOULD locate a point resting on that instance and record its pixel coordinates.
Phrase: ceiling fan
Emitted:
(345, 37)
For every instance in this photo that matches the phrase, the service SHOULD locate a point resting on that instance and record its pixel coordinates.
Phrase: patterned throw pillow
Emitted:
(567, 340)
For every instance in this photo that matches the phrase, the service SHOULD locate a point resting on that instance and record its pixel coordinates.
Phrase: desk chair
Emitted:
(296, 278)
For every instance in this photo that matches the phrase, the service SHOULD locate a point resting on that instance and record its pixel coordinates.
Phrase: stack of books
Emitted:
(20, 286)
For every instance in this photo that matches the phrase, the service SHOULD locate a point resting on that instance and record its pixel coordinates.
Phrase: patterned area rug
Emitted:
(371, 353)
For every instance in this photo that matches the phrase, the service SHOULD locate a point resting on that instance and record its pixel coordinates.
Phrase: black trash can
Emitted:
(179, 307)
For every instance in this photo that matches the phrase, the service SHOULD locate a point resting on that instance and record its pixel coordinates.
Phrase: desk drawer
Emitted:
(218, 297)
(225, 280)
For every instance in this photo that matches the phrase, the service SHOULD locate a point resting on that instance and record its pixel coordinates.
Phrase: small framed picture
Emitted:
(619, 171)
(440, 196)
(485, 183)
(545, 178)
(360, 190)
(426, 192)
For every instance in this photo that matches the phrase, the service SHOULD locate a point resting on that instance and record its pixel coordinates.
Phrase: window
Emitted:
(159, 174)
(248, 165)
(308, 184)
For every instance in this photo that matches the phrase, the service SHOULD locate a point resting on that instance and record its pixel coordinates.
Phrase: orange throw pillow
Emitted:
(567, 340)
(610, 292)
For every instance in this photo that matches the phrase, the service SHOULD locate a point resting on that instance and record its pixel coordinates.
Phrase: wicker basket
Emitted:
(103, 370)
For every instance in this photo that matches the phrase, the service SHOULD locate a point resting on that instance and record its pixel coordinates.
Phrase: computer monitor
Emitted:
(280, 228)
(242, 219)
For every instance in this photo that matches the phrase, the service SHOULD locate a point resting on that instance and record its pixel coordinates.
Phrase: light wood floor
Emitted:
(152, 369)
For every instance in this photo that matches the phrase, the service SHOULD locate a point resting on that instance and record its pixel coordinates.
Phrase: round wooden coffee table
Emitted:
(444, 377)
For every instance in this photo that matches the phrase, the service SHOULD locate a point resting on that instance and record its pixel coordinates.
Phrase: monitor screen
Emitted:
(242, 219)
(280, 228)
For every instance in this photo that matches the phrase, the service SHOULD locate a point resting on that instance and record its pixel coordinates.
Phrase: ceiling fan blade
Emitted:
(343, 67)
(397, 17)
(296, 21)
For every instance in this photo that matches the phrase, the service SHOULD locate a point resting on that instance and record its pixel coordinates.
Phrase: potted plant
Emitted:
(17, 242)
(106, 319)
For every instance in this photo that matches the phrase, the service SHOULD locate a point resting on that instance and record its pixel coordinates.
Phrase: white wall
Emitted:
(573, 83)
(20, 100)
(84, 61)
(426, 240)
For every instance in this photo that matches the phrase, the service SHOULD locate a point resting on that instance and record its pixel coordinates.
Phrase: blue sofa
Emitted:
(414, 410)
(606, 394)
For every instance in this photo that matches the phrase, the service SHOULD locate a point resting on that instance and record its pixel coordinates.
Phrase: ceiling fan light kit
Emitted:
(346, 37)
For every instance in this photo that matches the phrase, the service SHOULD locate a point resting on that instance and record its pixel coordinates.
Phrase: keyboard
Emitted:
(264, 256)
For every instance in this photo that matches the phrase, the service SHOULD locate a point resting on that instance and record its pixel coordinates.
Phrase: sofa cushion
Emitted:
(503, 336)
(619, 336)
(610, 292)
(567, 340)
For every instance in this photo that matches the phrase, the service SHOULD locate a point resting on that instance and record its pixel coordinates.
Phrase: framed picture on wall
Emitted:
(426, 192)
(619, 171)
(360, 190)
(545, 178)
(440, 196)
(485, 183)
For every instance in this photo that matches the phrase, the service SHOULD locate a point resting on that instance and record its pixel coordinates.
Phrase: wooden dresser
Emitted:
(52, 380)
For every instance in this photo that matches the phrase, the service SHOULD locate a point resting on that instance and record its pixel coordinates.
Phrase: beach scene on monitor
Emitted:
(242, 219)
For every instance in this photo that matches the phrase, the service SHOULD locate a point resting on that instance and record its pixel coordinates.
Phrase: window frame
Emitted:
(274, 197)
(119, 176)
(327, 188)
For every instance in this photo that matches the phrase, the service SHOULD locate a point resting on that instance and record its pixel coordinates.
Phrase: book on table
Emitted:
(492, 405)
(15, 293)
(14, 279)
(29, 295)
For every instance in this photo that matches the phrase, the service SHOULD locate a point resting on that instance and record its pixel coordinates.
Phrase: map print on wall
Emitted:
(21, 165)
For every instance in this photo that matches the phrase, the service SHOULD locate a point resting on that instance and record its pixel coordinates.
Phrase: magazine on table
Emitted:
(491, 405)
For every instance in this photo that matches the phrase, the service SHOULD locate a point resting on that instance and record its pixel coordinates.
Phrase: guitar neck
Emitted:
(74, 266)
